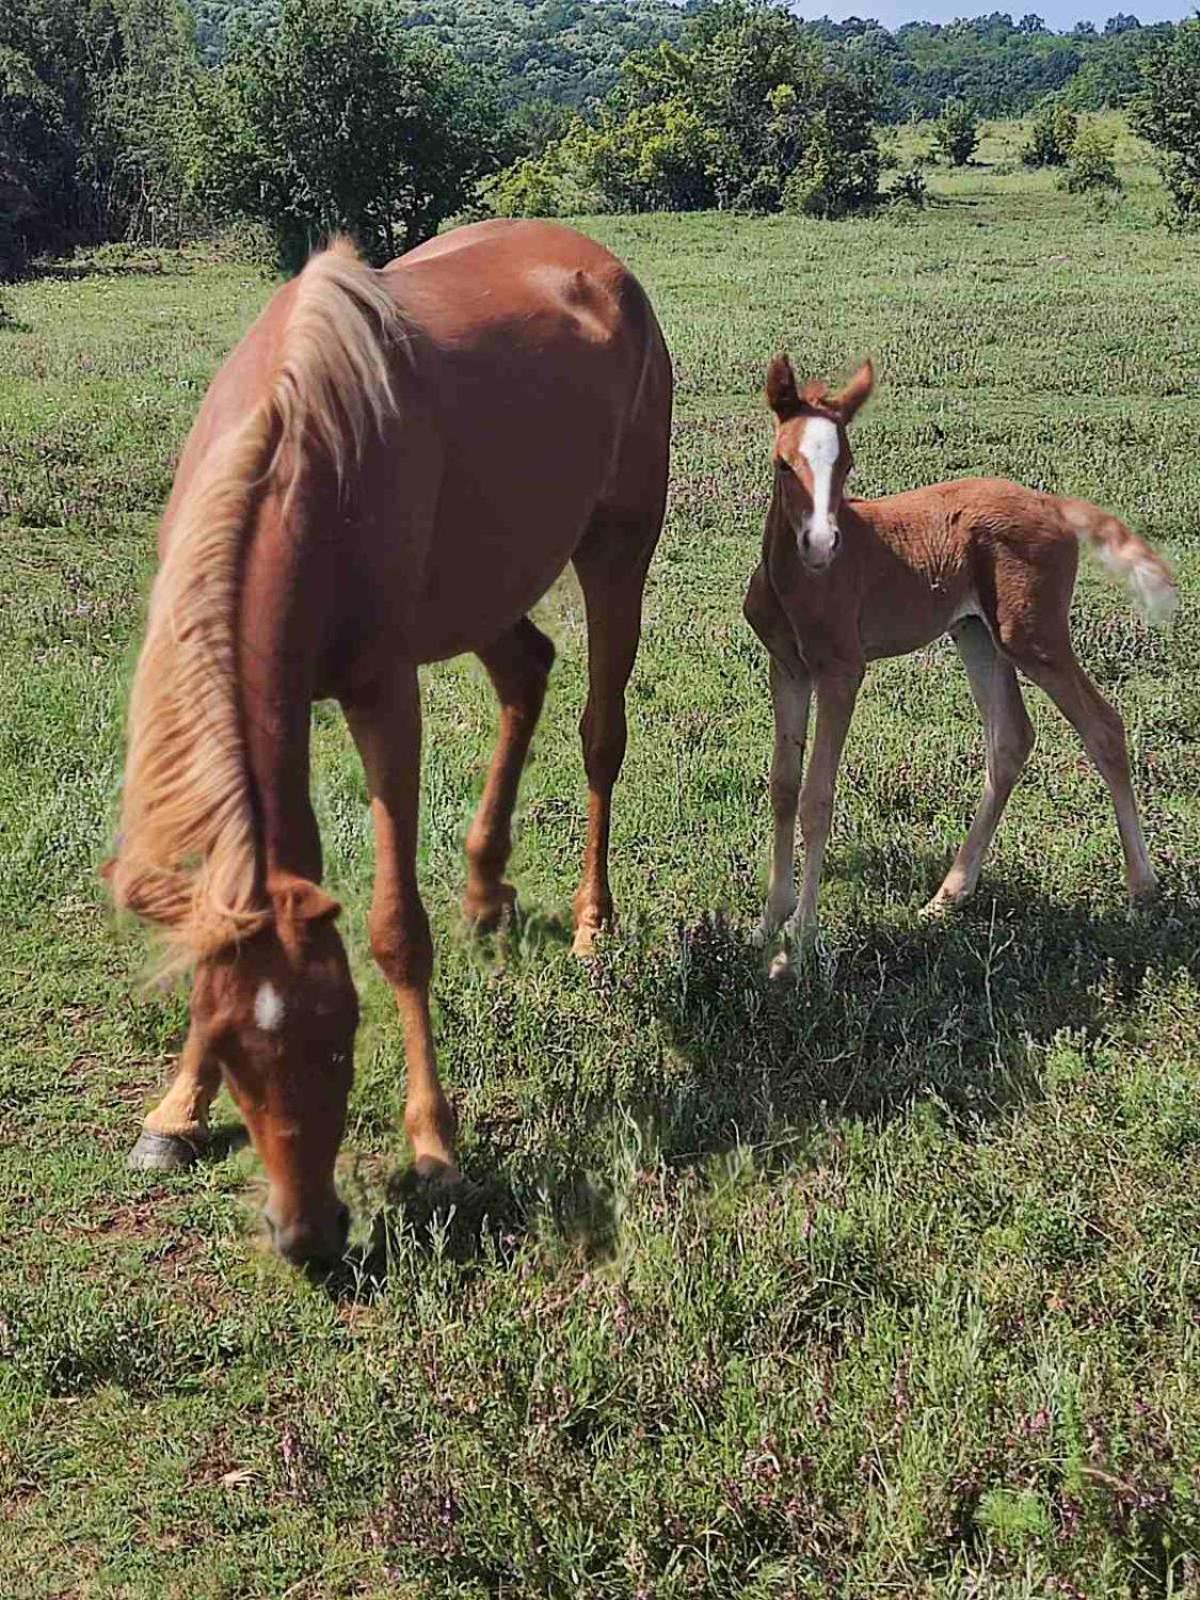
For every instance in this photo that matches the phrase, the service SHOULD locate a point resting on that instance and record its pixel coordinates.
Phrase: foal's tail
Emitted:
(188, 852)
(1128, 557)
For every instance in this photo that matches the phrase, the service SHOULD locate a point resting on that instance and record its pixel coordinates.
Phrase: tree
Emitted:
(956, 132)
(87, 134)
(1091, 166)
(748, 111)
(334, 120)
(1052, 137)
(1167, 112)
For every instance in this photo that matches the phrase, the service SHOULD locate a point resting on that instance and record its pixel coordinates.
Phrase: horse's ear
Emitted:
(782, 394)
(856, 392)
(297, 901)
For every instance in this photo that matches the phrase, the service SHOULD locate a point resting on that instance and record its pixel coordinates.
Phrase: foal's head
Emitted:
(280, 1012)
(812, 454)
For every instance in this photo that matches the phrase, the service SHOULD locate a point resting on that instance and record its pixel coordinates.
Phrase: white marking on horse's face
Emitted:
(268, 1008)
(821, 446)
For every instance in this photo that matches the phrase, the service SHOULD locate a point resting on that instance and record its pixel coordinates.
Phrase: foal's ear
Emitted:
(297, 902)
(782, 395)
(856, 392)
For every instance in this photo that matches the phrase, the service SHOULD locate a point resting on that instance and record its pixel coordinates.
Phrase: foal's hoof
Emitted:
(584, 943)
(942, 906)
(1144, 895)
(781, 968)
(485, 913)
(162, 1152)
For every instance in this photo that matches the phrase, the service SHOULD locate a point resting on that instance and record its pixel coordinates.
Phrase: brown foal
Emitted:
(843, 582)
(390, 469)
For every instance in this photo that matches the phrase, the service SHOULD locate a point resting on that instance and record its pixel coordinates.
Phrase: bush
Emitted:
(1091, 165)
(749, 112)
(1167, 113)
(910, 188)
(339, 120)
(1055, 129)
(956, 132)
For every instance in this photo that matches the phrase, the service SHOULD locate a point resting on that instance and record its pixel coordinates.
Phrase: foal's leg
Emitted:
(837, 690)
(177, 1129)
(519, 665)
(611, 564)
(387, 731)
(1103, 734)
(791, 694)
(1009, 737)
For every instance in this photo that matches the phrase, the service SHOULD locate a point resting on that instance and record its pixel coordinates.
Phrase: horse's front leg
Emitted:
(837, 691)
(176, 1131)
(791, 693)
(386, 725)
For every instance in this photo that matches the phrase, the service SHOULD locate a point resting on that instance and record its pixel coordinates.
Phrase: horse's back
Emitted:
(543, 380)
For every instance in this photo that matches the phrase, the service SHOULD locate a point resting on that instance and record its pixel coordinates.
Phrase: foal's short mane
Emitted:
(188, 854)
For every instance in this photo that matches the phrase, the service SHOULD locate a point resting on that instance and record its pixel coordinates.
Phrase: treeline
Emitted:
(571, 51)
(154, 119)
(1003, 68)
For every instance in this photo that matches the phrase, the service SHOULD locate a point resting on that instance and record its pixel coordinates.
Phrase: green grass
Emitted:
(886, 1282)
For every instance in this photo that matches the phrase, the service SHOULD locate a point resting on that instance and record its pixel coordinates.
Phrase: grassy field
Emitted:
(881, 1283)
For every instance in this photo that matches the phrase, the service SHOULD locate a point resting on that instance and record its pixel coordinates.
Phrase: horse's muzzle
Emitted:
(311, 1244)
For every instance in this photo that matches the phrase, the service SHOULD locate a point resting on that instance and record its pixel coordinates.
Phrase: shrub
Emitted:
(909, 188)
(1055, 129)
(956, 132)
(749, 112)
(1167, 113)
(1091, 165)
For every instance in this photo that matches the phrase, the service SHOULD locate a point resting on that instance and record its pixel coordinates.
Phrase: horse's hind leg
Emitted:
(611, 564)
(387, 730)
(519, 666)
(1103, 734)
(175, 1132)
(1009, 737)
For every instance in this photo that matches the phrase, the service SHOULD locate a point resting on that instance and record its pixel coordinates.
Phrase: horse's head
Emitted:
(279, 1012)
(812, 455)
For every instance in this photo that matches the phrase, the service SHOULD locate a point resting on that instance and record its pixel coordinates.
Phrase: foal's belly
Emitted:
(905, 628)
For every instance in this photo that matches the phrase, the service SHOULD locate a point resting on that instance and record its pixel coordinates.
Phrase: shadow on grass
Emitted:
(877, 1017)
(72, 269)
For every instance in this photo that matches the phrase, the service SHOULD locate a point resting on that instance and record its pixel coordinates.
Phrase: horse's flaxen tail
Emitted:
(1127, 556)
(188, 857)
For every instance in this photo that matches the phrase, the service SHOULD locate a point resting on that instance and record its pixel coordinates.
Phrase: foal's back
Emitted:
(928, 558)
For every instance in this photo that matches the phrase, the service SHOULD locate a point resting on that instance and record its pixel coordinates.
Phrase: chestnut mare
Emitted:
(844, 582)
(390, 469)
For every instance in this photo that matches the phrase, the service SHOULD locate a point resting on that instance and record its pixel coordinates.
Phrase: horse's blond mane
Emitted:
(188, 855)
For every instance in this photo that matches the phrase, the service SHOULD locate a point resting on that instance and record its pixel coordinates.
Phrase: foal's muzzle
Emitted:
(817, 552)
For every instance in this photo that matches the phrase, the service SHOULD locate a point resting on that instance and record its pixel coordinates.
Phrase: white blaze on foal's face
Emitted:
(812, 454)
(821, 446)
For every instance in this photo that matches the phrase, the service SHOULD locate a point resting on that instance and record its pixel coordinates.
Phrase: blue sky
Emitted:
(1057, 14)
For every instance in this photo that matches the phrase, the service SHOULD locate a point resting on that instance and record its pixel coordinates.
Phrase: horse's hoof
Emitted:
(584, 943)
(162, 1152)
(940, 907)
(1144, 895)
(431, 1172)
(486, 915)
(780, 968)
